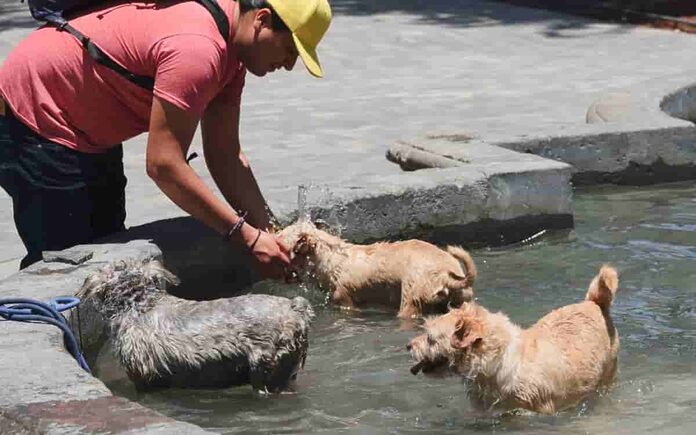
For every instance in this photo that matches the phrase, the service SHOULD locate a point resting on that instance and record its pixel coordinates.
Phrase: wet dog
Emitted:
(413, 276)
(567, 355)
(165, 341)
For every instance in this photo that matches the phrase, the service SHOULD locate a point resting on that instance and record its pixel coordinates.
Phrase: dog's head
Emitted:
(302, 238)
(306, 245)
(292, 233)
(125, 285)
(450, 342)
(297, 232)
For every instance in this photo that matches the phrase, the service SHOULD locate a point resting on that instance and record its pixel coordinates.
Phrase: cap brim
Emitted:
(309, 57)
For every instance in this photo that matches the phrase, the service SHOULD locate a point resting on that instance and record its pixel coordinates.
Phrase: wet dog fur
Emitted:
(165, 341)
(412, 276)
(568, 354)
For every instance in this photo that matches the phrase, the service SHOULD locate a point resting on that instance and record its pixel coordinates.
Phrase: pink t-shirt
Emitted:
(53, 85)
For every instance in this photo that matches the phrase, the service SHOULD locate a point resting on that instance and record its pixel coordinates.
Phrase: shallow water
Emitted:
(356, 379)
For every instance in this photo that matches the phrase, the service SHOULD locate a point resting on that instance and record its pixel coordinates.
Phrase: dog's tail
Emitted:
(460, 254)
(603, 287)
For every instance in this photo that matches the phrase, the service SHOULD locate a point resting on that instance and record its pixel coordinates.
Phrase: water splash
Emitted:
(326, 205)
(303, 214)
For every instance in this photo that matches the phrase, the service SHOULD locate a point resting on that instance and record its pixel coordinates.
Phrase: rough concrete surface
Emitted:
(44, 389)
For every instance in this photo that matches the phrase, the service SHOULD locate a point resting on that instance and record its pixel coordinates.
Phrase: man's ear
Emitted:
(467, 333)
(263, 18)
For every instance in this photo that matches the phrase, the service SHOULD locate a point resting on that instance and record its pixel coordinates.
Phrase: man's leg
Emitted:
(106, 189)
(51, 220)
(61, 197)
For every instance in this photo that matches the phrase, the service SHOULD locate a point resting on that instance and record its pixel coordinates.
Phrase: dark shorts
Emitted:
(60, 197)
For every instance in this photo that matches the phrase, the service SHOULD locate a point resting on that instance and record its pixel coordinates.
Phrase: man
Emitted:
(63, 116)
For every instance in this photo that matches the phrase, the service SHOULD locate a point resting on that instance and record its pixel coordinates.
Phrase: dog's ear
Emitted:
(467, 333)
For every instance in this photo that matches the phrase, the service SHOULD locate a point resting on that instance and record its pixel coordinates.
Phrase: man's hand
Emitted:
(271, 255)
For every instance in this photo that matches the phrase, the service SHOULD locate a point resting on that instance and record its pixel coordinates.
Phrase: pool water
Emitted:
(357, 379)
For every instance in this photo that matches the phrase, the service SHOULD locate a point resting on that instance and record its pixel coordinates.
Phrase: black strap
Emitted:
(145, 82)
(103, 59)
(223, 24)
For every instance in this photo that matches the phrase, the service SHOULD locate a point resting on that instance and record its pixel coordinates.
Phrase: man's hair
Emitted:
(276, 22)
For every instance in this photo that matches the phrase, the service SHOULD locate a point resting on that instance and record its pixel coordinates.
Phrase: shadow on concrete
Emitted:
(463, 13)
(664, 14)
(207, 266)
(458, 13)
(15, 15)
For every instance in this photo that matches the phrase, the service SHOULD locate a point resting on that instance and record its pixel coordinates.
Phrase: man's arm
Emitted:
(229, 166)
(170, 135)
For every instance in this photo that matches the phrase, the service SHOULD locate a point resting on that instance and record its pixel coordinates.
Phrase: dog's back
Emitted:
(573, 350)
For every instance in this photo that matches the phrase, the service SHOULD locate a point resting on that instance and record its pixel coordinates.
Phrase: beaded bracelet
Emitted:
(236, 226)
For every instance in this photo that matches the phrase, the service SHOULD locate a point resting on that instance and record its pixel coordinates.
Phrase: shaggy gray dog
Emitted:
(165, 341)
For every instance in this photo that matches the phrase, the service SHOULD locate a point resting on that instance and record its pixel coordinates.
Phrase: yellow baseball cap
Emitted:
(308, 20)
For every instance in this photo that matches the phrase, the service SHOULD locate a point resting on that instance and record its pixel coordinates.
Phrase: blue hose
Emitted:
(32, 311)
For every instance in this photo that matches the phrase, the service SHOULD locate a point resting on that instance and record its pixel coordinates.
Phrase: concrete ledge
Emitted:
(637, 136)
(44, 390)
(109, 414)
(633, 157)
(681, 103)
(599, 153)
(402, 205)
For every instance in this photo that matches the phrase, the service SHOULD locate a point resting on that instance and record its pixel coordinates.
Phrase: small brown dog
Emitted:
(564, 357)
(414, 276)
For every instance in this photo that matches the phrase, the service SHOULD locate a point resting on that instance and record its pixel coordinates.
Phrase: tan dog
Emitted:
(564, 357)
(413, 276)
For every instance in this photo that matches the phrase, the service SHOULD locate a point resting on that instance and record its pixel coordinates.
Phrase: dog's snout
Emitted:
(409, 346)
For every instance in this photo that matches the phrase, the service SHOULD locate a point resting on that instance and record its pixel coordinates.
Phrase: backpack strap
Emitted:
(223, 24)
(221, 21)
(102, 58)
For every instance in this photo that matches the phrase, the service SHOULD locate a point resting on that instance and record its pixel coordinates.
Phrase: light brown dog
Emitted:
(568, 354)
(413, 276)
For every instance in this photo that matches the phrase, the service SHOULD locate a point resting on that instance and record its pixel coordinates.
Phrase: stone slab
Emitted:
(496, 192)
(69, 256)
(622, 154)
(44, 390)
(681, 103)
(109, 414)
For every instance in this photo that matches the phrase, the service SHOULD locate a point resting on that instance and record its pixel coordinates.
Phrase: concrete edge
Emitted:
(615, 156)
(44, 389)
(110, 414)
(681, 103)
(651, 139)
(629, 157)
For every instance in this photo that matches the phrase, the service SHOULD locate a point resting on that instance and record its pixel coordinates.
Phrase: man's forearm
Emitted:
(181, 184)
(228, 165)
(235, 179)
